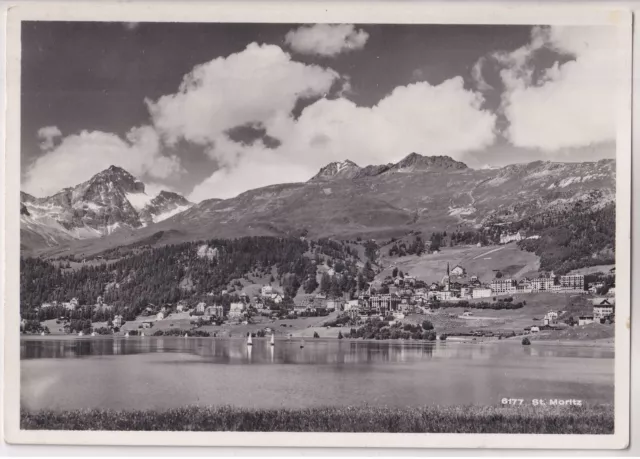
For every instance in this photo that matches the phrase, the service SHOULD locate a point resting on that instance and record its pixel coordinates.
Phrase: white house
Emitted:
(603, 307)
(266, 290)
(236, 310)
(481, 292)
(585, 320)
(351, 304)
(505, 238)
(458, 271)
(276, 298)
(160, 315)
(535, 329)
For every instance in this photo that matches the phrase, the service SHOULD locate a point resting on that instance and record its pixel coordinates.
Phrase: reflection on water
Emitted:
(236, 351)
(167, 372)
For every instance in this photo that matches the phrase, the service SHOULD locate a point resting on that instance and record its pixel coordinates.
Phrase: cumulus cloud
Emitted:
(80, 156)
(47, 136)
(326, 39)
(251, 86)
(569, 104)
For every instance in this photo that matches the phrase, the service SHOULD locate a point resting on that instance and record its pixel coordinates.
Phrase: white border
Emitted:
(390, 12)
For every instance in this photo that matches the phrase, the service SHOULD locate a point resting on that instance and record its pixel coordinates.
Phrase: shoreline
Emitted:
(593, 419)
(606, 343)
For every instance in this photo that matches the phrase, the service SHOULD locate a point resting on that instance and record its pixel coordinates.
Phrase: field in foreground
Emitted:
(596, 419)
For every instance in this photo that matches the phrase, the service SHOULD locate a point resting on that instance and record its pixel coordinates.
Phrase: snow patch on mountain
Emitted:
(138, 200)
(169, 214)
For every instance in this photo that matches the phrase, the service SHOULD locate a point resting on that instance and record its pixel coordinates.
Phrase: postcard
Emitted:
(318, 225)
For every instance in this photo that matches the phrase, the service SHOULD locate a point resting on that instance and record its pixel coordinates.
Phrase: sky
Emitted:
(211, 110)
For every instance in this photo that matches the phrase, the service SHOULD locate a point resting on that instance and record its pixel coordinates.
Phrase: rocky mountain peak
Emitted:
(339, 169)
(416, 162)
(119, 178)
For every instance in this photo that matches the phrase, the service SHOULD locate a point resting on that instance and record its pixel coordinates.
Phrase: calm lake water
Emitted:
(163, 372)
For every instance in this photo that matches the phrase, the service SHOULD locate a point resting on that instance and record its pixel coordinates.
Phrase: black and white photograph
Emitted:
(320, 227)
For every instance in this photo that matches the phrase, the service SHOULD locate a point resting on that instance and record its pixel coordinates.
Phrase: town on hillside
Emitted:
(397, 297)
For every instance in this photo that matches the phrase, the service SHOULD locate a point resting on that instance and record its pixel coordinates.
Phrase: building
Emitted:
(117, 321)
(180, 307)
(336, 305)
(603, 308)
(71, 305)
(550, 318)
(276, 298)
(481, 292)
(585, 320)
(147, 324)
(593, 288)
(503, 286)
(443, 295)
(351, 304)
(458, 271)
(465, 292)
(160, 315)
(215, 311)
(535, 329)
(384, 303)
(266, 290)
(572, 281)
(200, 307)
(411, 280)
(542, 284)
(505, 238)
(236, 310)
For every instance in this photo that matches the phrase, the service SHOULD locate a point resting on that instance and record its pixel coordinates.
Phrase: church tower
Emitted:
(445, 279)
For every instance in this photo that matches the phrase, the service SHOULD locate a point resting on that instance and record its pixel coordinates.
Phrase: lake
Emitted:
(168, 372)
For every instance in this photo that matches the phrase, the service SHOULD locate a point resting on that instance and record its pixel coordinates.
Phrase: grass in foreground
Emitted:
(597, 419)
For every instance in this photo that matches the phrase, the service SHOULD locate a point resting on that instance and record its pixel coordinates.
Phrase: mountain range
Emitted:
(344, 200)
(109, 201)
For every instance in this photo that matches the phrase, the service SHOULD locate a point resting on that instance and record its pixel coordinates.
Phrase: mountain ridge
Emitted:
(383, 203)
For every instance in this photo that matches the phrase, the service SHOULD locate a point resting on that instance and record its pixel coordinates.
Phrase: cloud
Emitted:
(251, 86)
(478, 78)
(567, 105)
(326, 39)
(80, 156)
(47, 136)
(433, 120)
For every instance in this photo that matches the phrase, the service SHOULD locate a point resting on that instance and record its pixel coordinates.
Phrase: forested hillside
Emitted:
(572, 239)
(190, 271)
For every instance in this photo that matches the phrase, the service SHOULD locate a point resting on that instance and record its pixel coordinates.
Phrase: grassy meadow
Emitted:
(596, 419)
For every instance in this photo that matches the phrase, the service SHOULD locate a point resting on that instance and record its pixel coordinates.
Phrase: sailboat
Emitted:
(126, 335)
(273, 340)
(186, 336)
(142, 334)
(93, 333)
(42, 334)
(289, 338)
(80, 334)
(249, 342)
(302, 343)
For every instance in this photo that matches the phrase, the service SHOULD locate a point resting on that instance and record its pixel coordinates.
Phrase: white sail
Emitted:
(93, 334)
(42, 334)
(249, 342)
(126, 334)
(80, 334)
(273, 340)
(142, 334)
(186, 336)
